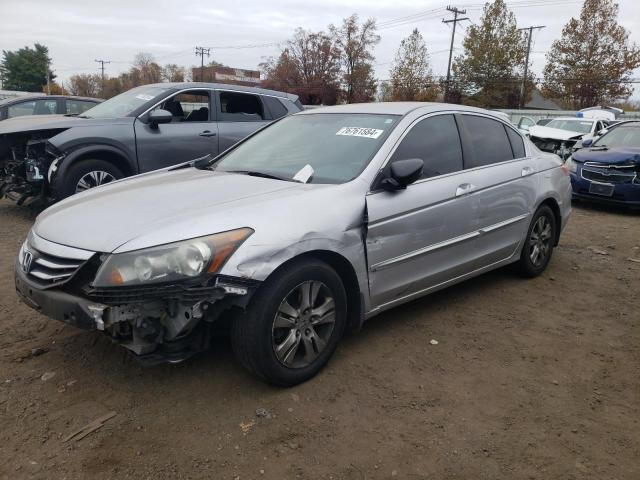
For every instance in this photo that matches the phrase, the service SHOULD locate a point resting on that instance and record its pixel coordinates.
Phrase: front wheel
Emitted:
(538, 246)
(87, 174)
(293, 324)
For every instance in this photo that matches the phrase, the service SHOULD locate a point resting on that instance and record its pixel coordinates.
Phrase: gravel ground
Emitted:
(529, 379)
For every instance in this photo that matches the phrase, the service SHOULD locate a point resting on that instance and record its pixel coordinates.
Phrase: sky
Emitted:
(244, 33)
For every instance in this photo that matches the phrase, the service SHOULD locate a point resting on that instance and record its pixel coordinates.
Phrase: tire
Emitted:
(91, 172)
(270, 341)
(541, 237)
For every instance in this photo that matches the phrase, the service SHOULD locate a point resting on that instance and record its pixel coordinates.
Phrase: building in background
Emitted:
(235, 76)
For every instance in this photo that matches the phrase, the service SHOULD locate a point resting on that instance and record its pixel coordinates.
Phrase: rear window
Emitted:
(489, 141)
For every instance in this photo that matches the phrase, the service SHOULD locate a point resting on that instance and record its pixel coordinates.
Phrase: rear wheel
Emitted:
(538, 245)
(293, 324)
(88, 174)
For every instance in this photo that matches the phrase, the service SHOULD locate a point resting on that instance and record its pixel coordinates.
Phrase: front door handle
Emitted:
(527, 171)
(207, 133)
(464, 188)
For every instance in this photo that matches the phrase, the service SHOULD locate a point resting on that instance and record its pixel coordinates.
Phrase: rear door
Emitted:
(192, 133)
(239, 114)
(503, 185)
(423, 236)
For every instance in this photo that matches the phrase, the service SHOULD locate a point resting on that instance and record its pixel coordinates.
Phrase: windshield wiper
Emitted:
(254, 173)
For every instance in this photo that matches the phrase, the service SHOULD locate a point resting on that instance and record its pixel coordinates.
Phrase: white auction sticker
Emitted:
(360, 132)
(142, 96)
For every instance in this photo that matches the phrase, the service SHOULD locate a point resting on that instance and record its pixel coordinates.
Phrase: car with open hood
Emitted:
(560, 135)
(47, 158)
(608, 169)
(303, 230)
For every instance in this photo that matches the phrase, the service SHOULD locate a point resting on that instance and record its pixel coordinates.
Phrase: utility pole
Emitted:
(202, 52)
(102, 62)
(48, 78)
(526, 63)
(455, 21)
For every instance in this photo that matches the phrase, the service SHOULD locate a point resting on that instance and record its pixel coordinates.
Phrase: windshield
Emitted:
(312, 148)
(580, 126)
(122, 105)
(621, 136)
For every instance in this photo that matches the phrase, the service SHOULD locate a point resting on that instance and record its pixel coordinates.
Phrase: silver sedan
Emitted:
(303, 230)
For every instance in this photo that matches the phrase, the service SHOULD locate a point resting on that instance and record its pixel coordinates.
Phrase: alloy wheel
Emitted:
(93, 179)
(540, 241)
(303, 324)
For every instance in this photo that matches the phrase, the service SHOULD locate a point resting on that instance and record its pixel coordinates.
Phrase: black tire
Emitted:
(528, 265)
(253, 335)
(67, 186)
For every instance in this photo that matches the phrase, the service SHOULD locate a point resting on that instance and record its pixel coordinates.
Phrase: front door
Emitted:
(423, 236)
(191, 134)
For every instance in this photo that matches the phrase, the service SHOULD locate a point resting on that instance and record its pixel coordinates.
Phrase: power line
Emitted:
(455, 21)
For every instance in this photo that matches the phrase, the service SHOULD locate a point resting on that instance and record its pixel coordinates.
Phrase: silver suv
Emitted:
(308, 227)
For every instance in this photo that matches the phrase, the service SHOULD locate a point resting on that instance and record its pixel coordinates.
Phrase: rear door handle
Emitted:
(464, 188)
(527, 171)
(207, 133)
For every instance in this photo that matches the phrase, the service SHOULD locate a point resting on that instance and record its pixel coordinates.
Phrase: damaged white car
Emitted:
(305, 229)
(560, 135)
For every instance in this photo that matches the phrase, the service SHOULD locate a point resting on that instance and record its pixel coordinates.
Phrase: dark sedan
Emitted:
(608, 171)
(45, 105)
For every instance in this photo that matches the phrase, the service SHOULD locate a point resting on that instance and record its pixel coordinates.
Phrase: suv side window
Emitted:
(188, 106)
(21, 109)
(76, 107)
(517, 145)
(436, 141)
(488, 139)
(240, 107)
(276, 107)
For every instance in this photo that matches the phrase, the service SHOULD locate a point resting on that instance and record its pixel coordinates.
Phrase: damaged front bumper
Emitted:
(165, 323)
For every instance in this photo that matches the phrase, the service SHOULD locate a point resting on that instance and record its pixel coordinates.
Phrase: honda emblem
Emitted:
(26, 261)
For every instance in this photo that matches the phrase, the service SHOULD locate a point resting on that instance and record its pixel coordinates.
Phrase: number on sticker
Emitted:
(360, 132)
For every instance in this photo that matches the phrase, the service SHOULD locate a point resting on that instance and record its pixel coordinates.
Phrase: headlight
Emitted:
(571, 165)
(171, 262)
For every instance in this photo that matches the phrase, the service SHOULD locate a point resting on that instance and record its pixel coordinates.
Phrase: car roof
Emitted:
(29, 98)
(397, 108)
(577, 118)
(225, 86)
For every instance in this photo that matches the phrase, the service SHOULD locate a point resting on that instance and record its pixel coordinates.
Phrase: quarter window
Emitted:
(276, 107)
(240, 107)
(435, 140)
(517, 145)
(488, 140)
(76, 107)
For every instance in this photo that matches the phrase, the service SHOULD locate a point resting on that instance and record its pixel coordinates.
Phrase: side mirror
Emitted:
(403, 173)
(159, 116)
(587, 142)
(603, 131)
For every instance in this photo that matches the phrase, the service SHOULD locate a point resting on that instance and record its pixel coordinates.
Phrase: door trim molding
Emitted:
(446, 243)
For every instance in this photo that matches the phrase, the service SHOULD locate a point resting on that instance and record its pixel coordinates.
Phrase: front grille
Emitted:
(52, 270)
(610, 176)
(126, 295)
(49, 264)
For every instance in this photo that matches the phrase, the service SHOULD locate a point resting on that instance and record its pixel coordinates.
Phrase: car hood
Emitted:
(45, 122)
(554, 133)
(612, 156)
(158, 208)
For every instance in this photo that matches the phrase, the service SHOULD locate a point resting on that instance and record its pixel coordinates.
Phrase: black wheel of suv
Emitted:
(293, 323)
(87, 174)
(538, 245)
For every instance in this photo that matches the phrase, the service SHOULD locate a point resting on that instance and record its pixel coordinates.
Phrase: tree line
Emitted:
(591, 63)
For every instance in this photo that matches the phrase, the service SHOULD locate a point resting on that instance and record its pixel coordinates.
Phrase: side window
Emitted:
(276, 107)
(517, 145)
(21, 109)
(488, 140)
(436, 141)
(46, 107)
(188, 106)
(76, 107)
(240, 107)
(526, 123)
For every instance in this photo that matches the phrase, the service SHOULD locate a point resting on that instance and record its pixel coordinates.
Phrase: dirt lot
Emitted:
(529, 379)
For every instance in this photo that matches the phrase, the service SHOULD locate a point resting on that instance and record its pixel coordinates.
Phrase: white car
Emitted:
(561, 134)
